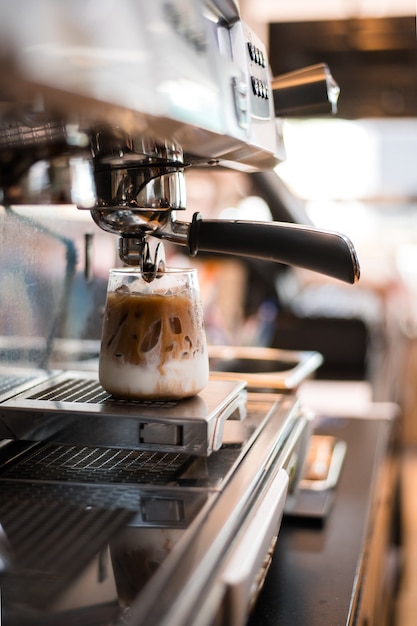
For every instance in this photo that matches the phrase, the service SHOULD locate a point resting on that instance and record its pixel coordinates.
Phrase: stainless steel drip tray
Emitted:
(72, 407)
(92, 530)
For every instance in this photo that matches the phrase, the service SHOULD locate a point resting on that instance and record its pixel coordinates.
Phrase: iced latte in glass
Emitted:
(153, 344)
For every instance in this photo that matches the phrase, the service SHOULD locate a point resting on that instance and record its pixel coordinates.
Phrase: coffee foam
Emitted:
(181, 379)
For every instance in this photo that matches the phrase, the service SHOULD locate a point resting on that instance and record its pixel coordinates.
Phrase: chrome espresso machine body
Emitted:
(116, 512)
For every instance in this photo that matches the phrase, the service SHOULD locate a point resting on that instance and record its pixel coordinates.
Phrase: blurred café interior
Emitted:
(351, 173)
(354, 173)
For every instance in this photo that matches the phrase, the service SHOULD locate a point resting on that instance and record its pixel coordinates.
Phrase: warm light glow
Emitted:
(305, 10)
(330, 159)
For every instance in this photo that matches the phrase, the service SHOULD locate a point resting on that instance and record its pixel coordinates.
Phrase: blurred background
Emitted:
(354, 173)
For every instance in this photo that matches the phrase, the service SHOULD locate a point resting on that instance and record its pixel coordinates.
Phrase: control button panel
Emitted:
(256, 55)
(259, 79)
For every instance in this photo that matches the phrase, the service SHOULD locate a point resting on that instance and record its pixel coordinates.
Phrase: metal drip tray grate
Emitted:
(72, 390)
(172, 508)
(73, 408)
(15, 380)
(90, 392)
(50, 541)
(8, 383)
(152, 485)
(98, 465)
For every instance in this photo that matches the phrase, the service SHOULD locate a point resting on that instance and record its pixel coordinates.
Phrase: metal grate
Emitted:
(91, 497)
(98, 465)
(50, 541)
(87, 391)
(72, 390)
(9, 382)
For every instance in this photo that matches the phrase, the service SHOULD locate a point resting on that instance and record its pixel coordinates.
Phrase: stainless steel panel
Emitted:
(175, 518)
(72, 407)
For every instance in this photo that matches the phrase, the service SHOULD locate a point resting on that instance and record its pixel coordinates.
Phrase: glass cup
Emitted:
(153, 343)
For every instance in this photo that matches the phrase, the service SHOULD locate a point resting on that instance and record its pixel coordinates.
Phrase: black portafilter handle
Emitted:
(321, 251)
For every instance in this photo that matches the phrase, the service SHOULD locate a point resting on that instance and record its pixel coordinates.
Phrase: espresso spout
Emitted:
(308, 91)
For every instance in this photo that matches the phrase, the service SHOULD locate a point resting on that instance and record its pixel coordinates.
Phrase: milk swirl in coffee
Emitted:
(153, 342)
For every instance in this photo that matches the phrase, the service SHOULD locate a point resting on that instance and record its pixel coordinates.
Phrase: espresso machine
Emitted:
(125, 512)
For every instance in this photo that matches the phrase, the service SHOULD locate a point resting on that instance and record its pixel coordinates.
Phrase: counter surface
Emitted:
(315, 575)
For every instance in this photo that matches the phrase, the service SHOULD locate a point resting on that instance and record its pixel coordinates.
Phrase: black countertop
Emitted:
(315, 575)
